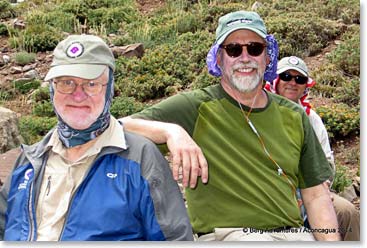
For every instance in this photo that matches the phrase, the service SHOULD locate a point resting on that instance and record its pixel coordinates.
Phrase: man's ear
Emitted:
(267, 59)
(219, 61)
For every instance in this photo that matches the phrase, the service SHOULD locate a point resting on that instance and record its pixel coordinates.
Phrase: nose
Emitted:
(79, 95)
(244, 55)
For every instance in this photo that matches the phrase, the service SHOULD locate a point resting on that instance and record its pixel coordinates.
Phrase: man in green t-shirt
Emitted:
(251, 148)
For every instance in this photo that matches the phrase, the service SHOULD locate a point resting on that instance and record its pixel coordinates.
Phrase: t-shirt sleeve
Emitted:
(314, 166)
(181, 109)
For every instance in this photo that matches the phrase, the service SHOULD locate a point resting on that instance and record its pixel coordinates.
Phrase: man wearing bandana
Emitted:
(251, 148)
(293, 82)
(87, 179)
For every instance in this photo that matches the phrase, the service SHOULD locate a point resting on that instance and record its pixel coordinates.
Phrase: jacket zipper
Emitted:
(31, 217)
(48, 187)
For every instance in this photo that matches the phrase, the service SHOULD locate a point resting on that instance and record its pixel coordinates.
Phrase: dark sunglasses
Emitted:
(235, 49)
(285, 76)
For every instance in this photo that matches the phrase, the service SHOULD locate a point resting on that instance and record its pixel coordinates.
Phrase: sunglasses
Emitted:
(285, 76)
(235, 49)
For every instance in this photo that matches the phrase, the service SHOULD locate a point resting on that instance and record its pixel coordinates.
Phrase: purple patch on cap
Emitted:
(74, 50)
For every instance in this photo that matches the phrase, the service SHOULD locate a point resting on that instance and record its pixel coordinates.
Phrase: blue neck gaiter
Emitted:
(71, 137)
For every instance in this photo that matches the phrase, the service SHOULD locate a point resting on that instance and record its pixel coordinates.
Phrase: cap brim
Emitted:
(225, 35)
(286, 68)
(87, 71)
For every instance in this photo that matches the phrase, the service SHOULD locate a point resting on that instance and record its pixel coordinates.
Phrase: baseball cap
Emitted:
(84, 56)
(239, 20)
(292, 63)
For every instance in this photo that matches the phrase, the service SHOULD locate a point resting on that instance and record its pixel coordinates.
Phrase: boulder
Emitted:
(7, 161)
(128, 51)
(9, 132)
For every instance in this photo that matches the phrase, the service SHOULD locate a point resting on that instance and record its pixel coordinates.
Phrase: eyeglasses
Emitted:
(285, 76)
(235, 49)
(68, 86)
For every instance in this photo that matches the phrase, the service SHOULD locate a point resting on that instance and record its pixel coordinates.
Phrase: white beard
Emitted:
(245, 84)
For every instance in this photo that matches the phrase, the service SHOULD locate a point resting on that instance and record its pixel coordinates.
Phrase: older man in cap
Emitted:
(88, 179)
(226, 134)
(294, 83)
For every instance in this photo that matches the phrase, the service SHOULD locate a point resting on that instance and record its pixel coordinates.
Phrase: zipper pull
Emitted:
(48, 187)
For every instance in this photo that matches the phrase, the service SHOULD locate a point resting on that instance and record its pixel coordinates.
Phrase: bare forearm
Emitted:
(185, 152)
(321, 215)
(156, 131)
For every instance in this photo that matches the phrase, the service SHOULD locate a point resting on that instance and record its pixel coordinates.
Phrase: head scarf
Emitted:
(270, 71)
(71, 137)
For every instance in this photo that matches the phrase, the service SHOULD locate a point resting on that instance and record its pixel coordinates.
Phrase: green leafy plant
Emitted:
(41, 94)
(23, 58)
(340, 120)
(32, 129)
(3, 29)
(7, 11)
(24, 86)
(347, 53)
(43, 109)
(124, 106)
(341, 179)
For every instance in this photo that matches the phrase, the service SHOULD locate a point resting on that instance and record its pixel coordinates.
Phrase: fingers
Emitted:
(203, 167)
(176, 162)
(193, 165)
(186, 165)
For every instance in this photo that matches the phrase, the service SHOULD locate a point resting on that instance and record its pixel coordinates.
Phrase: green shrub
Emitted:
(348, 92)
(111, 18)
(3, 29)
(6, 10)
(340, 120)
(187, 22)
(347, 55)
(327, 77)
(346, 10)
(41, 94)
(203, 80)
(43, 109)
(4, 96)
(37, 38)
(301, 34)
(32, 129)
(341, 179)
(124, 106)
(66, 22)
(24, 86)
(23, 58)
(174, 65)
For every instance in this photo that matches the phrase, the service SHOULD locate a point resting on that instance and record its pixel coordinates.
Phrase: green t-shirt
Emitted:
(244, 187)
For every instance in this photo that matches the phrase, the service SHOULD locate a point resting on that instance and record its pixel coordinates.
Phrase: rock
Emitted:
(128, 51)
(337, 42)
(45, 84)
(27, 68)
(349, 193)
(9, 133)
(32, 74)
(255, 6)
(15, 70)
(6, 59)
(18, 24)
(7, 161)
(22, 80)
